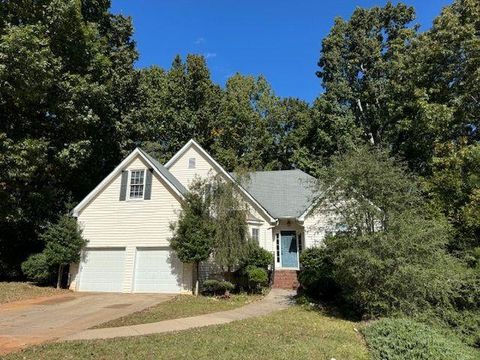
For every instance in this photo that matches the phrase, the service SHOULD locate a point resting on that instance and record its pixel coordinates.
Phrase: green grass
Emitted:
(295, 333)
(181, 306)
(398, 339)
(15, 291)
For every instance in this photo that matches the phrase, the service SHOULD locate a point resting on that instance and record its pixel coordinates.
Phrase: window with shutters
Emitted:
(136, 184)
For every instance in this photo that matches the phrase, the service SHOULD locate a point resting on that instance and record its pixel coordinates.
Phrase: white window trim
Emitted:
(129, 185)
(258, 234)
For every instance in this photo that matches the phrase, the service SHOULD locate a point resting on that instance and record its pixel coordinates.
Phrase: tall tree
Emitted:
(171, 107)
(448, 77)
(241, 132)
(358, 65)
(288, 124)
(64, 64)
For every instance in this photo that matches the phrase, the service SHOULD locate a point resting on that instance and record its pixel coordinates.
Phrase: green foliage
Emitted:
(403, 270)
(413, 94)
(172, 107)
(359, 64)
(399, 339)
(63, 242)
(231, 231)
(36, 268)
(64, 75)
(391, 257)
(256, 256)
(455, 188)
(217, 287)
(315, 275)
(241, 134)
(194, 232)
(257, 277)
(365, 187)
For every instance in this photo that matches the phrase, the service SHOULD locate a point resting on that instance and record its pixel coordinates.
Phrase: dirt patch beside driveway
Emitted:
(34, 321)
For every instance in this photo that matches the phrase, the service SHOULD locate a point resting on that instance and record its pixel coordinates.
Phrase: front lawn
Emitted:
(15, 291)
(295, 333)
(182, 306)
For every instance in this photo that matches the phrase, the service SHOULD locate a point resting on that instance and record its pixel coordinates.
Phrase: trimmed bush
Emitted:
(257, 256)
(36, 268)
(399, 339)
(257, 278)
(217, 287)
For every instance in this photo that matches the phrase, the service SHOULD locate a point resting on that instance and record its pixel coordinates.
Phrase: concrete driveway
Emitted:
(35, 321)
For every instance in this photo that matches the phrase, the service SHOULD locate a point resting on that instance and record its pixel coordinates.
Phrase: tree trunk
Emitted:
(59, 276)
(197, 276)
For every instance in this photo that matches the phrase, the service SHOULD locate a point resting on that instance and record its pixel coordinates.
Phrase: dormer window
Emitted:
(191, 163)
(136, 184)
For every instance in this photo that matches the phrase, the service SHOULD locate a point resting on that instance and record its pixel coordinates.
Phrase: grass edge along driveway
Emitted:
(18, 291)
(296, 333)
(181, 306)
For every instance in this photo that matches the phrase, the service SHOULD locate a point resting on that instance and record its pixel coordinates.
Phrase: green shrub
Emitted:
(257, 256)
(400, 339)
(315, 275)
(257, 278)
(36, 268)
(217, 287)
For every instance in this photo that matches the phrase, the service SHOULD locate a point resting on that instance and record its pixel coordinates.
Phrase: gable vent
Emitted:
(191, 163)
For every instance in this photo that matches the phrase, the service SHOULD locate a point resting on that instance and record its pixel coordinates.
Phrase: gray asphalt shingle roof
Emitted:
(283, 193)
(167, 174)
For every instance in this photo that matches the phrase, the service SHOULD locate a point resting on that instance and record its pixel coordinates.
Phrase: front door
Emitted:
(289, 249)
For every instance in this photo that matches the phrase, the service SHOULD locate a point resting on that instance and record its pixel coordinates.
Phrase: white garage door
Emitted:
(102, 270)
(157, 270)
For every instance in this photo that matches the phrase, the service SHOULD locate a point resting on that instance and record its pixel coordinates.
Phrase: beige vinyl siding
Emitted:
(265, 230)
(316, 227)
(109, 222)
(203, 168)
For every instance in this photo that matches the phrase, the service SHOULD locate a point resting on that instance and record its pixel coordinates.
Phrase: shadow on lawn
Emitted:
(331, 307)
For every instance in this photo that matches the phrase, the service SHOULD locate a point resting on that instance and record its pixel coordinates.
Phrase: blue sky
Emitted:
(279, 39)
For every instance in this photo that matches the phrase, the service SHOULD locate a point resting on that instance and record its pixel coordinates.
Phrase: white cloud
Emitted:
(209, 55)
(200, 40)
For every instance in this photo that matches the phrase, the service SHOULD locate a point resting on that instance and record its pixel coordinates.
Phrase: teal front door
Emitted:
(289, 249)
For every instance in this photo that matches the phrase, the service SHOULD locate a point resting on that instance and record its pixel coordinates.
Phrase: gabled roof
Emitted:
(158, 168)
(167, 174)
(221, 170)
(284, 193)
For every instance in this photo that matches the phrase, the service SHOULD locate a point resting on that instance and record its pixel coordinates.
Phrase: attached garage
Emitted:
(102, 269)
(157, 270)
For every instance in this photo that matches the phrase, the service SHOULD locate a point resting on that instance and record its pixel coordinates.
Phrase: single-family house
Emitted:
(126, 220)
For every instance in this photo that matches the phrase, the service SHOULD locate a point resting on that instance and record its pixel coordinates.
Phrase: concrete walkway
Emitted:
(277, 299)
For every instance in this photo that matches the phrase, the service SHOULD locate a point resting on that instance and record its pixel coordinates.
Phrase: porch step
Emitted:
(285, 279)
